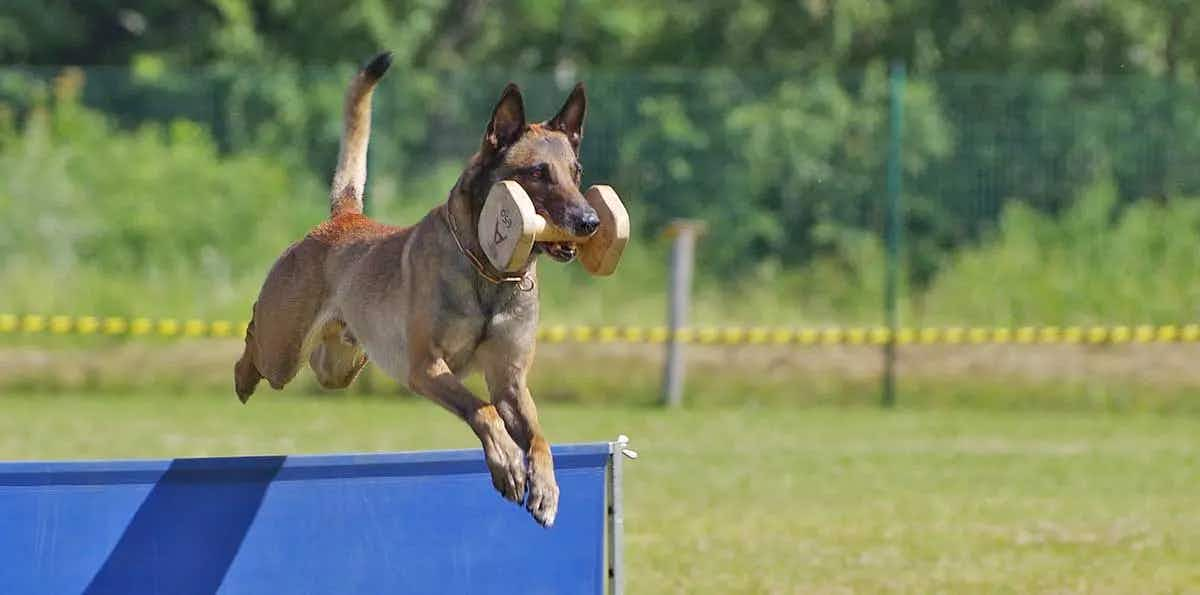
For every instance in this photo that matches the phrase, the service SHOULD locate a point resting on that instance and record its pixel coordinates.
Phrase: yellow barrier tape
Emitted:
(87, 325)
(582, 334)
(140, 326)
(115, 326)
(608, 334)
(729, 335)
(33, 323)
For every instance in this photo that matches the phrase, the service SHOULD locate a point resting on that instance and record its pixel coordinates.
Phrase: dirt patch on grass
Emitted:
(616, 372)
(1157, 364)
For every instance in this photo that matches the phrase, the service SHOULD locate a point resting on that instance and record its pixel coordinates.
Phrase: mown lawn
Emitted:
(767, 500)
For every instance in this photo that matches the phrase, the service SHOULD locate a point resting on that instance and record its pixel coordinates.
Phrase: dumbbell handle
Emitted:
(553, 233)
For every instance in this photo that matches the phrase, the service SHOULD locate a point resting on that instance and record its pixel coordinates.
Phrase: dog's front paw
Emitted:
(543, 489)
(506, 461)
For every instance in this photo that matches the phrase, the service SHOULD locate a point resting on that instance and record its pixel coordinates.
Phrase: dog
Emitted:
(422, 302)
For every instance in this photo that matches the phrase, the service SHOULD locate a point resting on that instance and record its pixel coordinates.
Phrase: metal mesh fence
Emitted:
(787, 168)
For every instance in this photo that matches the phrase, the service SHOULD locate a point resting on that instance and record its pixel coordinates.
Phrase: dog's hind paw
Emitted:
(245, 379)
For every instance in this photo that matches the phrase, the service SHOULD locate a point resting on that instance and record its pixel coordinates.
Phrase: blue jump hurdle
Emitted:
(420, 522)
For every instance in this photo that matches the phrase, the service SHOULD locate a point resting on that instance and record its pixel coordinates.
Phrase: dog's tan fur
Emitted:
(415, 303)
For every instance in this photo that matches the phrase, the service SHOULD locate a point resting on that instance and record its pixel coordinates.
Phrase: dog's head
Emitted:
(544, 159)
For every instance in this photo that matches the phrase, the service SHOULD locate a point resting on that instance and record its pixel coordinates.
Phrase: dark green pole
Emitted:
(894, 227)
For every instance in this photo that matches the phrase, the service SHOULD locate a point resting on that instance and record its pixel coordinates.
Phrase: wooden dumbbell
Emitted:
(508, 228)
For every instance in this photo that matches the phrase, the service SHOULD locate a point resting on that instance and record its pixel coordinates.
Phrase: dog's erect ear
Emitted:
(569, 120)
(508, 121)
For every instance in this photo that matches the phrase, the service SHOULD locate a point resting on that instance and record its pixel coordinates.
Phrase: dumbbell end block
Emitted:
(602, 252)
(508, 226)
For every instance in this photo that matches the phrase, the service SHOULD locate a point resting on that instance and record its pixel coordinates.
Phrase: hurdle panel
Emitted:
(421, 522)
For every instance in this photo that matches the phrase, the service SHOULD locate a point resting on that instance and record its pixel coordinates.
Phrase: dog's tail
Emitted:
(346, 194)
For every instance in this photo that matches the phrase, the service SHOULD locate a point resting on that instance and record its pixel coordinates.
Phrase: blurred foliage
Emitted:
(90, 210)
(766, 118)
(1154, 37)
(1135, 264)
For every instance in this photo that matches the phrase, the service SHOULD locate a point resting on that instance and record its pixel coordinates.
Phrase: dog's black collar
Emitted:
(524, 280)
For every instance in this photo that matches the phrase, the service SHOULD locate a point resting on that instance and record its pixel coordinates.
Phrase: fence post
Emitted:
(893, 225)
(683, 247)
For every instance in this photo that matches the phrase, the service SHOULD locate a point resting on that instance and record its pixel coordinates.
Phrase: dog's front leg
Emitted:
(511, 396)
(505, 459)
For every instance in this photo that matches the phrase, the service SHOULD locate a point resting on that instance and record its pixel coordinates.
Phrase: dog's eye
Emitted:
(578, 170)
(540, 172)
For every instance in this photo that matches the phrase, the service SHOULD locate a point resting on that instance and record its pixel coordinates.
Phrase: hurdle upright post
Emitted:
(683, 253)
(893, 224)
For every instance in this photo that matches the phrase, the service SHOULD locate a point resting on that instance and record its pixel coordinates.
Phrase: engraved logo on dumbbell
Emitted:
(506, 219)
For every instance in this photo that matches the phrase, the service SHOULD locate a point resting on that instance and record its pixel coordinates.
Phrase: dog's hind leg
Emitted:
(275, 349)
(279, 334)
(337, 359)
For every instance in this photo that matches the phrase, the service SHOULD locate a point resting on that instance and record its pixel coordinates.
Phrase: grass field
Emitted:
(768, 500)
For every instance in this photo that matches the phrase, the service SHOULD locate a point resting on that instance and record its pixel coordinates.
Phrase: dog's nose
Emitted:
(588, 223)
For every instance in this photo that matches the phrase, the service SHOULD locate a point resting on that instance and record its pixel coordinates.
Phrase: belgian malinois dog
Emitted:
(422, 301)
